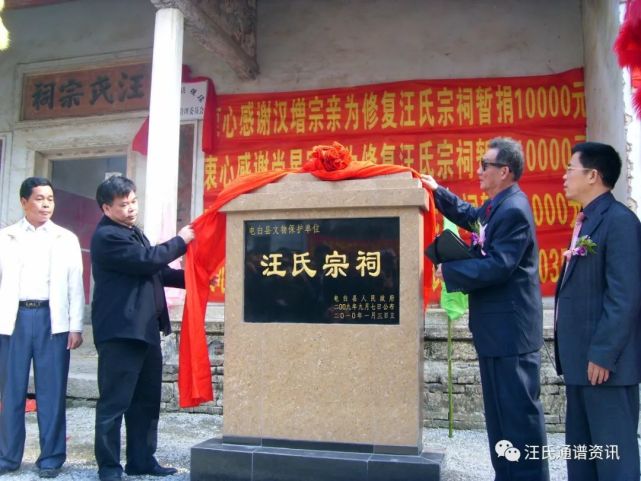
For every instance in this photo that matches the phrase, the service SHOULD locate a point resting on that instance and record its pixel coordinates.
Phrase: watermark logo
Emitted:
(506, 449)
(580, 452)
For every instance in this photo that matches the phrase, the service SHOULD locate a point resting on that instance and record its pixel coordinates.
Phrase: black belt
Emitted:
(33, 304)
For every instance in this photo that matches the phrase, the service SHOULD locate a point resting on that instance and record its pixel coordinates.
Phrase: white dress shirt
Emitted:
(63, 271)
(35, 261)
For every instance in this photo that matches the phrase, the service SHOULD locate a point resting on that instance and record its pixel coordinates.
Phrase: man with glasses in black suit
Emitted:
(598, 320)
(505, 307)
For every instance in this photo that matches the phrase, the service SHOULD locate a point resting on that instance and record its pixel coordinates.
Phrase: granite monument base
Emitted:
(277, 460)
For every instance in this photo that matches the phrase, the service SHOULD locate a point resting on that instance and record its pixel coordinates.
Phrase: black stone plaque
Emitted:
(322, 270)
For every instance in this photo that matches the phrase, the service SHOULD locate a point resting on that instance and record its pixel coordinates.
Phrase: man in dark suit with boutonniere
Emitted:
(505, 308)
(598, 321)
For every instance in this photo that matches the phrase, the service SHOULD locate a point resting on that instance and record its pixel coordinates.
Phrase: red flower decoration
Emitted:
(328, 157)
(628, 46)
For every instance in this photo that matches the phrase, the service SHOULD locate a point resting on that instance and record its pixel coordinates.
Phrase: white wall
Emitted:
(302, 44)
(305, 44)
(67, 34)
(309, 44)
(66, 31)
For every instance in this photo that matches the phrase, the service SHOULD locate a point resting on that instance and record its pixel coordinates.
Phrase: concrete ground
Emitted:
(467, 455)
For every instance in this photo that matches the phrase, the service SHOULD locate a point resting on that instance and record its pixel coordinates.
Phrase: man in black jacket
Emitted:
(128, 312)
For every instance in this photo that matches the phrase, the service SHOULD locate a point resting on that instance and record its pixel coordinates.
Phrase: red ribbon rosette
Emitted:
(328, 157)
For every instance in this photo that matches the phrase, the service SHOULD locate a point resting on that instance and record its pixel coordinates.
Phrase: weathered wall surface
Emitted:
(65, 36)
(70, 30)
(308, 44)
(301, 44)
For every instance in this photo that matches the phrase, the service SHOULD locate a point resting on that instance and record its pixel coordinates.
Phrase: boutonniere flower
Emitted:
(478, 234)
(584, 246)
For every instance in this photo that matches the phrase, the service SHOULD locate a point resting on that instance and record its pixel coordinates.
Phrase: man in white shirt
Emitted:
(42, 299)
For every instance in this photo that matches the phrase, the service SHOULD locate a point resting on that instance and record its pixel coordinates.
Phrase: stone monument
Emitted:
(323, 334)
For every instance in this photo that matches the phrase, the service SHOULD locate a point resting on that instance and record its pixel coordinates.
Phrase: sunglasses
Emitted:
(485, 164)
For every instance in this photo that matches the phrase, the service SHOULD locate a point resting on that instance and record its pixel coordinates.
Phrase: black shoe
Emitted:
(48, 472)
(110, 477)
(157, 470)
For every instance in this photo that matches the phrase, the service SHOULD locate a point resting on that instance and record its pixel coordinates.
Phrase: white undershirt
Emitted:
(35, 261)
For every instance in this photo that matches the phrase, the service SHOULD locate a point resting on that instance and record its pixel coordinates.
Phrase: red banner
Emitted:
(440, 127)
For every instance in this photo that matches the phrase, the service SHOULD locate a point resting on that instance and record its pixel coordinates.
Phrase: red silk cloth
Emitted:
(206, 254)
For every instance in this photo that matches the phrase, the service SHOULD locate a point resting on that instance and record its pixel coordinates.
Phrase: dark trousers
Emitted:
(32, 340)
(603, 416)
(513, 412)
(129, 383)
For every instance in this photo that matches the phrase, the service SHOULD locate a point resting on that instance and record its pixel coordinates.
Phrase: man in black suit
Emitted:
(128, 312)
(598, 321)
(505, 307)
